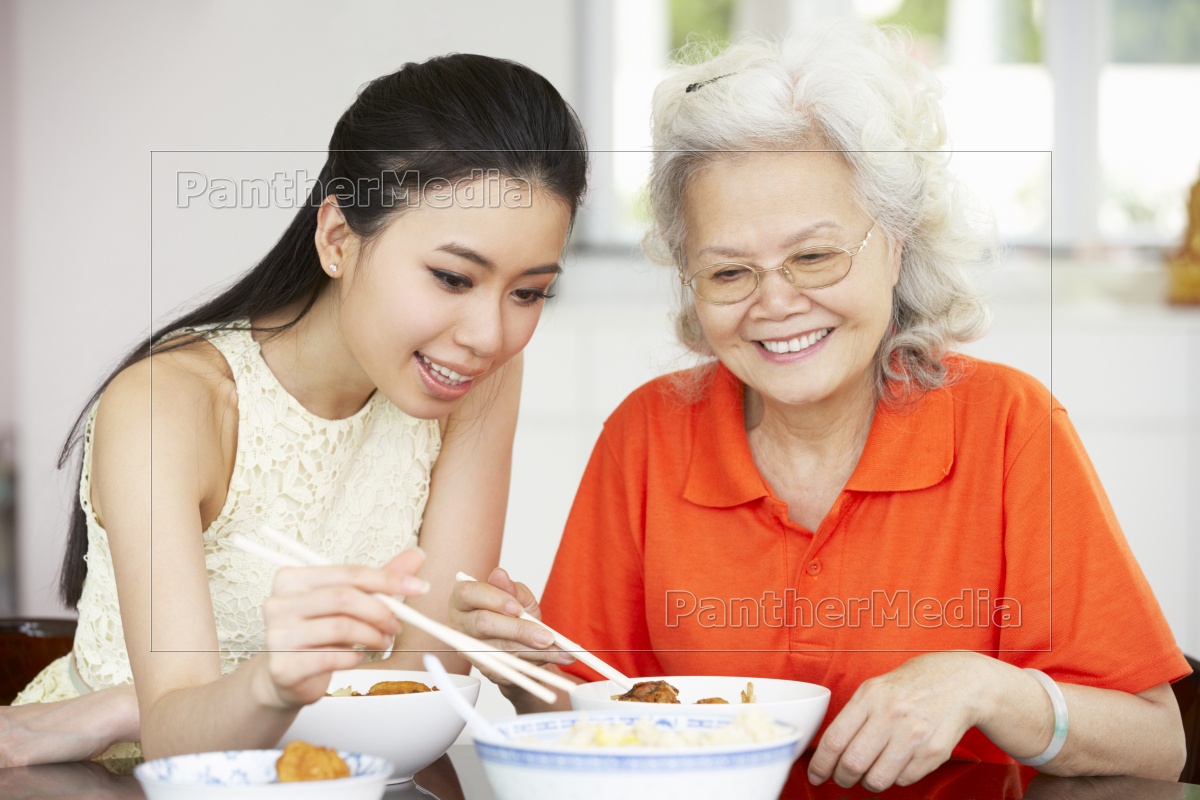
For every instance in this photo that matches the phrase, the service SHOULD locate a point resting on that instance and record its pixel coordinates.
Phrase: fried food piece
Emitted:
(399, 687)
(302, 761)
(711, 700)
(345, 691)
(650, 692)
(748, 694)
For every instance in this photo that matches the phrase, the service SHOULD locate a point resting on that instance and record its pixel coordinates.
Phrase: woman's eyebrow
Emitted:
(474, 256)
(794, 238)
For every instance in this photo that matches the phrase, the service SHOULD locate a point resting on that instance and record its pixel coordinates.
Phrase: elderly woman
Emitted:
(837, 497)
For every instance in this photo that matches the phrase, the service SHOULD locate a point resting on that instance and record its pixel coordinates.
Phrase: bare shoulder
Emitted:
(176, 407)
(192, 382)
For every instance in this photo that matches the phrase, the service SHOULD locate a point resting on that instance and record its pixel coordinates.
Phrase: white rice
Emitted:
(749, 726)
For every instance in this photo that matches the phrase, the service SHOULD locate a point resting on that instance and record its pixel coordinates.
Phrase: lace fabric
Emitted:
(353, 489)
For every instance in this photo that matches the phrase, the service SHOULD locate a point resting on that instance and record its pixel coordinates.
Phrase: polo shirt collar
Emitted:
(907, 448)
(722, 473)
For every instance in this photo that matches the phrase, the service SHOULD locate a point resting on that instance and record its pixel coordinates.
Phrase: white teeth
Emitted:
(798, 344)
(444, 374)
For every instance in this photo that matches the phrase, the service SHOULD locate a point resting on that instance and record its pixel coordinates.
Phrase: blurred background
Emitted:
(1075, 120)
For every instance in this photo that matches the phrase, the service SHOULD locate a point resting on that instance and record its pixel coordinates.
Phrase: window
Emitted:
(1108, 86)
(1149, 99)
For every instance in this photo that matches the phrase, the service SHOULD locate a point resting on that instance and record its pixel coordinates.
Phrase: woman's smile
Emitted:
(443, 381)
(793, 348)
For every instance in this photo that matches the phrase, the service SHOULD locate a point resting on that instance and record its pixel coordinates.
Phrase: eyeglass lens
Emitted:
(807, 269)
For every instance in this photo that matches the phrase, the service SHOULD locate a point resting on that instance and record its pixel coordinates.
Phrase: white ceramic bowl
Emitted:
(250, 774)
(410, 730)
(801, 705)
(530, 765)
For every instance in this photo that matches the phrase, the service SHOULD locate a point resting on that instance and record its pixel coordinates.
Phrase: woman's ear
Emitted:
(332, 237)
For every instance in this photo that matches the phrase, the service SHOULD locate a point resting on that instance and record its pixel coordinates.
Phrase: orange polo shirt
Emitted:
(678, 558)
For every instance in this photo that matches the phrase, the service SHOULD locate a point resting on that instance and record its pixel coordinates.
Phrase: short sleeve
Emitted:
(1077, 605)
(595, 593)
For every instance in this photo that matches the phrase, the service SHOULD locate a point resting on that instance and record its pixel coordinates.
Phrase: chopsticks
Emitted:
(603, 667)
(479, 653)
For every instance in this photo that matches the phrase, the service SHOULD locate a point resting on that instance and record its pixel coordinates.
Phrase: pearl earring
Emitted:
(333, 267)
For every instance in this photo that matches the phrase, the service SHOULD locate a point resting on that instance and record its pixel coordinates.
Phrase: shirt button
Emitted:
(814, 567)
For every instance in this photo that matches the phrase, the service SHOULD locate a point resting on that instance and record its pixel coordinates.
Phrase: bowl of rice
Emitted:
(796, 703)
(638, 754)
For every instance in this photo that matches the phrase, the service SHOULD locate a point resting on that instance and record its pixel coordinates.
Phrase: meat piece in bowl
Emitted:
(398, 687)
(650, 692)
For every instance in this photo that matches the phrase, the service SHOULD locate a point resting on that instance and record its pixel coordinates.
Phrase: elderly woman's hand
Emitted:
(491, 612)
(902, 725)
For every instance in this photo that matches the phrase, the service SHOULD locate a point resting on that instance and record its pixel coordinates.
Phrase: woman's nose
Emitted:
(779, 297)
(481, 330)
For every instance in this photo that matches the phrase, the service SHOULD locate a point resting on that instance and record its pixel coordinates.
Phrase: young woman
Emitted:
(356, 390)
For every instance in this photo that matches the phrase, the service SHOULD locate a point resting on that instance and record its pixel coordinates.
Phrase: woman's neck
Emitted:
(312, 362)
(808, 453)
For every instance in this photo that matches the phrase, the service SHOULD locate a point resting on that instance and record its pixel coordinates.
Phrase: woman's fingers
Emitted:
(317, 617)
(287, 611)
(835, 741)
(391, 580)
(300, 678)
(407, 562)
(523, 594)
(471, 596)
(328, 632)
(893, 761)
(491, 612)
(898, 727)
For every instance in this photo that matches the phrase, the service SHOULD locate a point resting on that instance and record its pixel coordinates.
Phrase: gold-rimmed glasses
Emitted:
(729, 282)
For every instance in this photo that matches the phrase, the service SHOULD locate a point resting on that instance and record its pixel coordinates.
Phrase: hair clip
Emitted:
(694, 86)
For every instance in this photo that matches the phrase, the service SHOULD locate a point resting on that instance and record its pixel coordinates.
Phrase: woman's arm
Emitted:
(902, 725)
(67, 730)
(1109, 732)
(156, 456)
(1067, 561)
(464, 517)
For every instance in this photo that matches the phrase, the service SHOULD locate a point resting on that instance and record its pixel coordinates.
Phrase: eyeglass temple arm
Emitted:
(863, 243)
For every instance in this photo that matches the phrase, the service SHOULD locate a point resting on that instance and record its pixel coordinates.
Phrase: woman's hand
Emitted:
(67, 730)
(491, 612)
(900, 726)
(317, 616)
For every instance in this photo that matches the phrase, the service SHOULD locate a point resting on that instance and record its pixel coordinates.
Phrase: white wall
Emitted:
(98, 87)
(8, 269)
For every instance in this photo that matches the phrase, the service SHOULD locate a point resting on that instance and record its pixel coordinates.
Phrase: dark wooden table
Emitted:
(459, 776)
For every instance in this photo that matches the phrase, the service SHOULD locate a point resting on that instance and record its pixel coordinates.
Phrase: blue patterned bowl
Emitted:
(247, 774)
(532, 765)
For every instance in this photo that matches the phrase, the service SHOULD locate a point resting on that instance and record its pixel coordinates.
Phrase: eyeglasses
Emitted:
(728, 282)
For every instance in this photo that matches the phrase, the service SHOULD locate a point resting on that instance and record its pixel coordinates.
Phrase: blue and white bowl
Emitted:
(248, 774)
(532, 765)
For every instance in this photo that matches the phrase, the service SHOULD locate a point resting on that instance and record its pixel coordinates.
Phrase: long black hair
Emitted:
(451, 117)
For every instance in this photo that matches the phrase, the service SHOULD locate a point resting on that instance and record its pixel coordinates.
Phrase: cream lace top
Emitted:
(353, 489)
